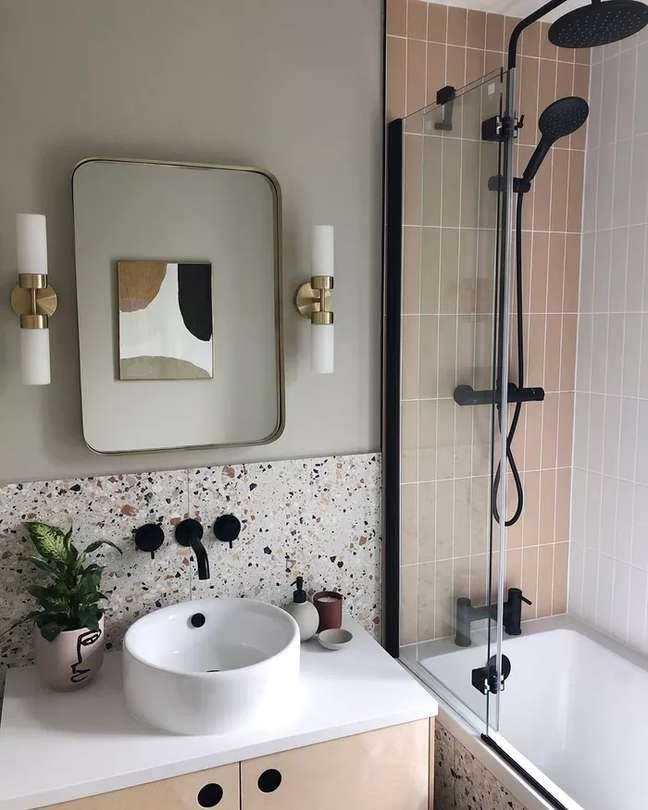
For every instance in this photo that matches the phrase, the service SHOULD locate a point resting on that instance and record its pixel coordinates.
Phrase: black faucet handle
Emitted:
(188, 532)
(227, 528)
(516, 593)
(149, 537)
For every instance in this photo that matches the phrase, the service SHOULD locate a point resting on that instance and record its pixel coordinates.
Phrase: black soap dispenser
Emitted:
(303, 612)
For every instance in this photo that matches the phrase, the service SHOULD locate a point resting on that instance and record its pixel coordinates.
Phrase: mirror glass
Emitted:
(178, 291)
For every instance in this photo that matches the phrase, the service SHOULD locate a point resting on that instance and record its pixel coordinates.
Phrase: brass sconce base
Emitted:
(313, 299)
(33, 300)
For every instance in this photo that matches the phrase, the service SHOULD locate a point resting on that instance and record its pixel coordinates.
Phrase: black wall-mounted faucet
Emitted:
(189, 533)
(466, 614)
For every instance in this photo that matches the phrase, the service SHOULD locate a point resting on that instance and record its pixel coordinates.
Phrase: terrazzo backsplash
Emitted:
(319, 518)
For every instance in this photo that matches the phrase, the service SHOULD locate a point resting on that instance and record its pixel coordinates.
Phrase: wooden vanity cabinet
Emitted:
(387, 769)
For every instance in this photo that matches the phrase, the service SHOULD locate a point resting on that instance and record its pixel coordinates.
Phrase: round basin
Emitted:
(211, 666)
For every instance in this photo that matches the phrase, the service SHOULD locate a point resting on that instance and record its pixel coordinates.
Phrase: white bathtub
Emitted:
(574, 712)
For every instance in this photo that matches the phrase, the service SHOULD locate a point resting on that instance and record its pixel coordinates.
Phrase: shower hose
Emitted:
(518, 405)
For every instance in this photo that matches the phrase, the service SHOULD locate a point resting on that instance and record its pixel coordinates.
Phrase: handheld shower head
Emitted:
(599, 23)
(559, 120)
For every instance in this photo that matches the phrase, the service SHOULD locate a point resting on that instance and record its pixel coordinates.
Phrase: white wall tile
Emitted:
(584, 353)
(620, 213)
(599, 352)
(596, 423)
(612, 434)
(602, 258)
(641, 110)
(618, 268)
(640, 529)
(627, 450)
(620, 600)
(610, 92)
(639, 181)
(593, 513)
(637, 607)
(635, 281)
(631, 346)
(605, 187)
(604, 584)
(607, 538)
(624, 520)
(608, 574)
(614, 351)
(575, 587)
(625, 111)
(591, 189)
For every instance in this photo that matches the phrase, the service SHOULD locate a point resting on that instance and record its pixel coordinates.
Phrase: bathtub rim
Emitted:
(468, 727)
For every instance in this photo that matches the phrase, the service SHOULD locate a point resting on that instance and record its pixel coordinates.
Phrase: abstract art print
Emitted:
(165, 320)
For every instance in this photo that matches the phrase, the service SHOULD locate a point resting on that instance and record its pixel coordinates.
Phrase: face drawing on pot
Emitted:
(86, 639)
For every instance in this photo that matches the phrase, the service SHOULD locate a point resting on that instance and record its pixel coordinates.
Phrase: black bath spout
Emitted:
(189, 533)
(467, 614)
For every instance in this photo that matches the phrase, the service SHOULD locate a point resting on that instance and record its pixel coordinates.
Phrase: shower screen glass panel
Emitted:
(449, 444)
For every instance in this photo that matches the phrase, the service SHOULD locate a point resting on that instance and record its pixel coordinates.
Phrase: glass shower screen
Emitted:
(449, 446)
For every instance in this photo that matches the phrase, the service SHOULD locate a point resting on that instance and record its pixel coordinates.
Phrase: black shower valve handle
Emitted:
(227, 528)
(149, 537)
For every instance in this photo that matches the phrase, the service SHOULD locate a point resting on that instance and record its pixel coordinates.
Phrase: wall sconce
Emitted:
(313, 300)
(32, 299)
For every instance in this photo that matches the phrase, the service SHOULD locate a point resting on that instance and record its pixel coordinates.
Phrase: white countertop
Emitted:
(55, 746)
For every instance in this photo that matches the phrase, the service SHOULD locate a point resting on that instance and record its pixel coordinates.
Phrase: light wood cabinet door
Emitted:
(386, 769)
(215, 787)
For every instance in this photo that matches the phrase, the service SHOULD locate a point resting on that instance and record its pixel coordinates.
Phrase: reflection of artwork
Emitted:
(165, 321)
(87, 639)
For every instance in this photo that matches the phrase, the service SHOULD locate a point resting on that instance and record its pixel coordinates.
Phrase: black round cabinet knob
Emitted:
(210, 795)
(269, 780)
(227, 528)
(149, 538)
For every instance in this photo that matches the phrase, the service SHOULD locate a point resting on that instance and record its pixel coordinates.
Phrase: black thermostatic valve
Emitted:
(466, 395)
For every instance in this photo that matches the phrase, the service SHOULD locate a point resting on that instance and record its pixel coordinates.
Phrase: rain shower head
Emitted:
(558, 120)
(599, 23)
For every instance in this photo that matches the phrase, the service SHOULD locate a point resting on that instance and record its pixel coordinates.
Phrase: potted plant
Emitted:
(68, 622)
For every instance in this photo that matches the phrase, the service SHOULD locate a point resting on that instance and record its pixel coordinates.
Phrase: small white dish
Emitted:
(335, 639)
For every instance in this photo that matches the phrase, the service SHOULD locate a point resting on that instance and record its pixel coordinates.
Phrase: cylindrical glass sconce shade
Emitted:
(35, 356)
(31, 243)
(323, 258)
(322, 348)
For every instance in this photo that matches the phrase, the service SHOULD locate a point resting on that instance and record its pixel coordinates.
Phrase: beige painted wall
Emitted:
(293, 86)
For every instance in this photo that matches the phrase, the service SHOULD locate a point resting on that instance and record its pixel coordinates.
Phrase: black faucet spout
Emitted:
(202, 559)
(189, 533)
(467, 614)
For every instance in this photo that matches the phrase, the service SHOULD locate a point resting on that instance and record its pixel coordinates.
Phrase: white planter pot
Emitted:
(72, 660)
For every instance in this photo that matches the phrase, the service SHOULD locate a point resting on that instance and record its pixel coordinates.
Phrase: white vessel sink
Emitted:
(211, 666)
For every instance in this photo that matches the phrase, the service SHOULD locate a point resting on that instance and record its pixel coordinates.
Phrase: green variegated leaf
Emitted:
(49, 541)
(98, 543)
(42, 565)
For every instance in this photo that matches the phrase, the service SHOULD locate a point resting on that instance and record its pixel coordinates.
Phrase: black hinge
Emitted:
(484, 679)
(501, 128)
(445, 97)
